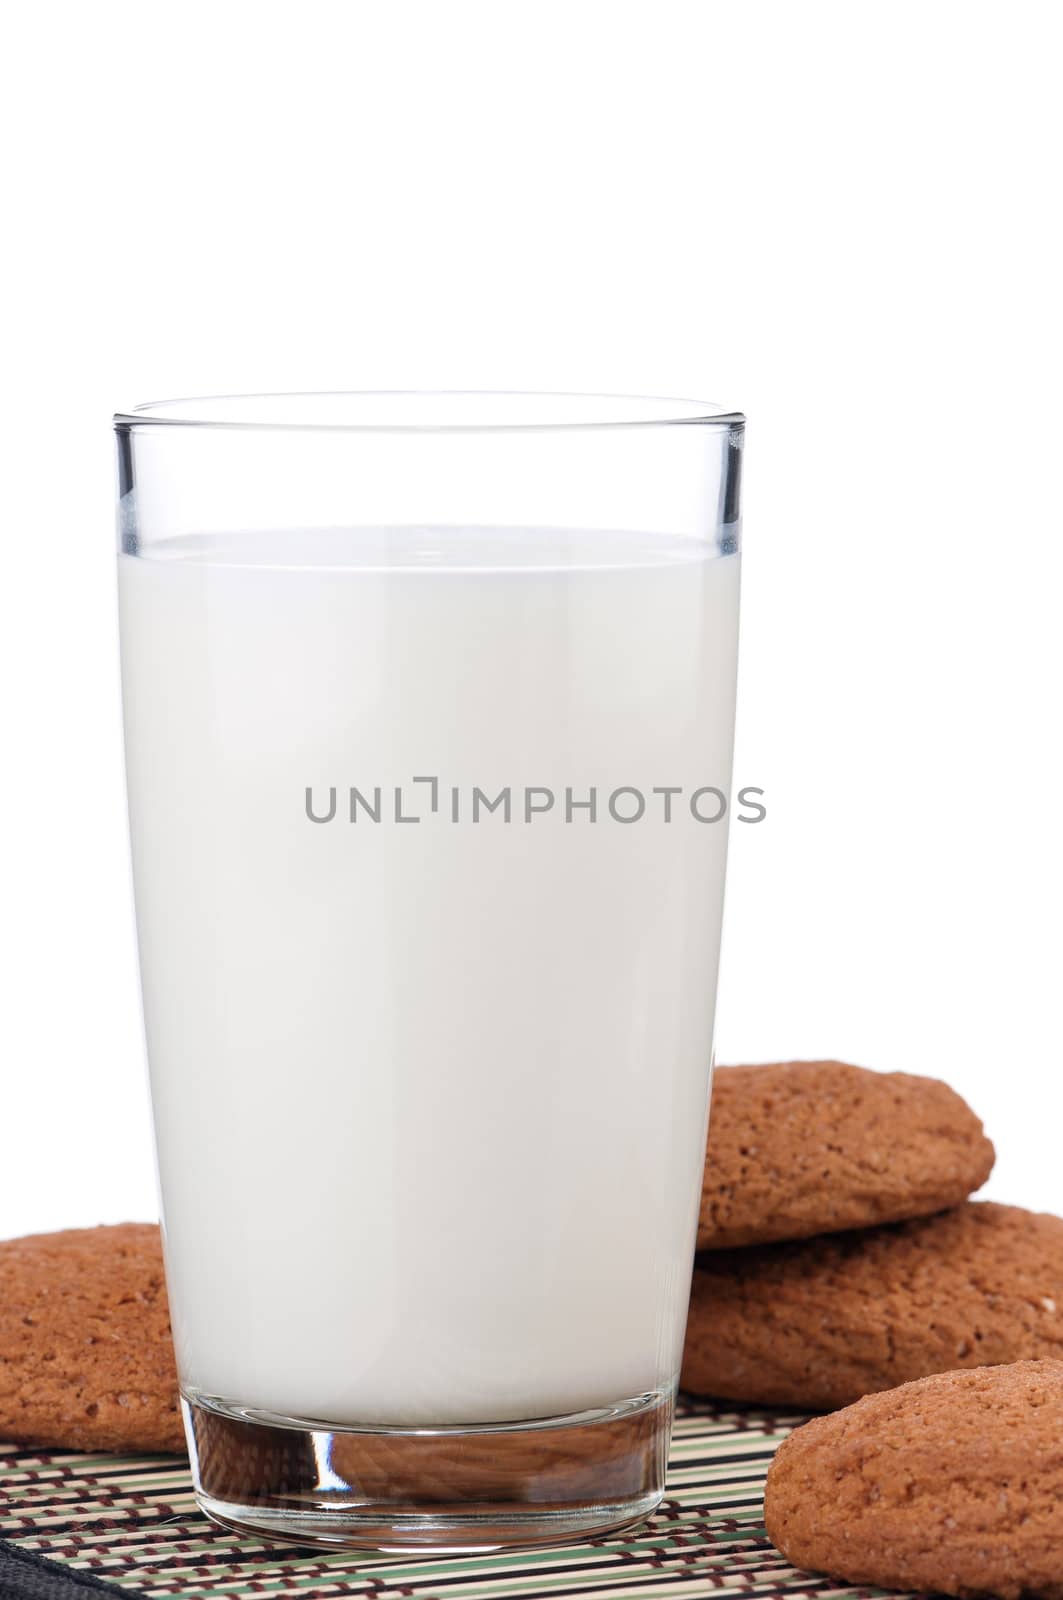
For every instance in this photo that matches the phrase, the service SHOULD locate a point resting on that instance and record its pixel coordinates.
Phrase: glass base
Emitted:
(503, 1487)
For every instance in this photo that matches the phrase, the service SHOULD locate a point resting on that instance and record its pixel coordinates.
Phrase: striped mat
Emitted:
(129, 1525)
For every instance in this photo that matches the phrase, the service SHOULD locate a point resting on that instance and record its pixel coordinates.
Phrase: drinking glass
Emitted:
(429, 706)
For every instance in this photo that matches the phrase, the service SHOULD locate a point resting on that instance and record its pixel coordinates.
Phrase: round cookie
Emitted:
(798, 1148)
(952, 1484)
(86, 1360)
(818, 1323)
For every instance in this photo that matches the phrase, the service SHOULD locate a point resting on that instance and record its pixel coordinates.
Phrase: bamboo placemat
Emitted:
(130, 1523)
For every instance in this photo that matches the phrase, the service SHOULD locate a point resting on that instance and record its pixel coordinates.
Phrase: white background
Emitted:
(840, 218)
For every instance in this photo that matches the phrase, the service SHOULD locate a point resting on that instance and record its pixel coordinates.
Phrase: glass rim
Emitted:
(427, 411)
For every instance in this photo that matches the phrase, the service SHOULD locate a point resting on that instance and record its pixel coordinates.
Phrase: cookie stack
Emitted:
(839, 1257)
(839, 1254)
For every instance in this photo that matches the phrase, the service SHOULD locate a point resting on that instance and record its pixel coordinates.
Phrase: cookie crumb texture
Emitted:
(819, 1323)
(952, 1484)
(798, 1148)
(86, 1361)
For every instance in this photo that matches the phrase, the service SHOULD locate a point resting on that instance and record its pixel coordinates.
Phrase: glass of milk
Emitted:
(429, 705)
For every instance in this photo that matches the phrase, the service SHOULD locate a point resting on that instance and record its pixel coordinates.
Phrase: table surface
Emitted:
(131, 1521)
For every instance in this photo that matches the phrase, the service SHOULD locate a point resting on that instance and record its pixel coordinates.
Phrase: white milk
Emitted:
(429, 1097)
